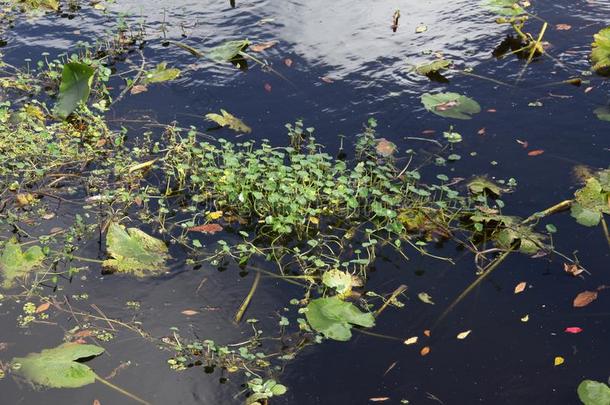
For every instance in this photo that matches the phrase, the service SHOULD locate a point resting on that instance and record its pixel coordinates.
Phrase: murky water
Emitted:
(504, 360)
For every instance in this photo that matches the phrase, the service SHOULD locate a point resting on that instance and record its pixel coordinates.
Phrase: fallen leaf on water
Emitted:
(525, 318)
(558, 361)
(425, 350)
(288, 62)
(519, 288)
(84, 333)
(395, 18)
(427, 332)
(326, 79)
(379, 399)
(43, 307)
(463, 335)
(588, 89)
(563, 27)
(482, 131)
(207, 228)
(573, 329)
(584, 298)
(425, 298)
(525, 144)
(214, 215)
(535, 152)
(262, 46)
(138, 88)
(385, 148)
(573, 269)
(189, 312)
(411, 340)
(492, 110)
(267, 87)
(421, 28)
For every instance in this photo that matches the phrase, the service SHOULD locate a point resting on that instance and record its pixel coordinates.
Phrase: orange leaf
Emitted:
(43, 307)
(563, 27)
(427, 332)
(584, 298)
(519, 288)
(384, 147)
(207, 228)
(262, 46)
(138, 88)
(535, 152)
(425, 350)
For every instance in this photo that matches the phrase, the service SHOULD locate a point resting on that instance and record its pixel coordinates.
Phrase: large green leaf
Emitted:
(450, 105)
(134, 252)
(227, 50)
(334, 318)
(15, 263)
(58, 367)
(591, 201)
(432, 67)
(505, 7)
(161, 74)
(594, 393)
(600, 52)
(76, 80)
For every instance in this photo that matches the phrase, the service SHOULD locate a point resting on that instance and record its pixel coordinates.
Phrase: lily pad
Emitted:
(334, 318)
(433, 67)
(15, 263)
(161, 74)
(600, 52)
(594, 393)
(58, 367)
(75, 87)
(135, 252)
(450, 105)
(602, 113)
(227, 50)
(226, 119)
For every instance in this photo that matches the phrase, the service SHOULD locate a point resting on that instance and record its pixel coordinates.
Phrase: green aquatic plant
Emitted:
(161, 73)
(227, 51)
(76, 81)
(594, 393)
(433, 67)
(593, 200)
(600, 53)
(16, 263)
(226, 119)
(450, 105)
(334, 317)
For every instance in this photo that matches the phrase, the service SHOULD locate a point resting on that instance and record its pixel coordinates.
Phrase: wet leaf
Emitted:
(463, 335)
(558, 361)
(600, 53)
(525, 318)
(479, 185)
(563, 27)
(425, 298)
(338, 280)
(227, 51)
(138, 88)
(59, 367)
(592, 200)
(189, 312)
(536, 152)
(573, 329)
(593, 393)
(450, 105)
(76, 80)
(505, 7)
(602, 113)
(433, 67)
(425, 351)
(573, 269)
(385, 148)
(268, 87)
(206, 228)
(411, 341)
(135, 252)
(334, 318)
(379, 399)
(160, 74)
(421, 28)
(43, 307)
(214, 215)
(262, 46)
(288, 62)
(519, 288)
(15, 263)
(226, 119)
(584, 298)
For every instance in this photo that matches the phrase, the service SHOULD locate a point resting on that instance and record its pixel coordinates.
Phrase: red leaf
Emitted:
(207, 228)
(573, 329)
(585, 298)
(535, 152)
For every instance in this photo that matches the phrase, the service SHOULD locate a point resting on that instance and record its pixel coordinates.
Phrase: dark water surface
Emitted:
(504, 360)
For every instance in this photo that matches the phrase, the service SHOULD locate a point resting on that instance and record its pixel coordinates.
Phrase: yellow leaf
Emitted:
(411, 340)
(520, 287)
(214, 215)
(559, 361)
(314, 220)
(525, 318)
(464, 335)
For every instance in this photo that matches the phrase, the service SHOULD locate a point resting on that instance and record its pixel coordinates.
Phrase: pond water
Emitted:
(347, 65)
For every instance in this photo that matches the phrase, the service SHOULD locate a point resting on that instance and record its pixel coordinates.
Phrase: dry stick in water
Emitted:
(246, 302)
(401, 288)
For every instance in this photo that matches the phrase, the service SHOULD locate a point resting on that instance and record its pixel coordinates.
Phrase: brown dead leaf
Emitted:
(207, 228)
(584, 298)
(425, 350)
(447, 105)
(573, 269)
(138, 88)
(427, 332)
(563, 27)
(535, 152)
(384, 147)
(519, 288)
(43, 307)
(262, 46)
(189, 312)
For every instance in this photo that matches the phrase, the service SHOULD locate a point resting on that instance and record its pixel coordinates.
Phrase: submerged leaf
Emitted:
(14, 263)
(600, 53)
(229, 120)
(161, 74)
(584, 298)
(450, 105)
(58, 367)
(334, 318)
(134, 251)
(227, 50)
(594, 393)
(75, 87)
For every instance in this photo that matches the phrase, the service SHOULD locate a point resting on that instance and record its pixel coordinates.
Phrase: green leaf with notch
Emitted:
(334, 318)
(76, 80)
